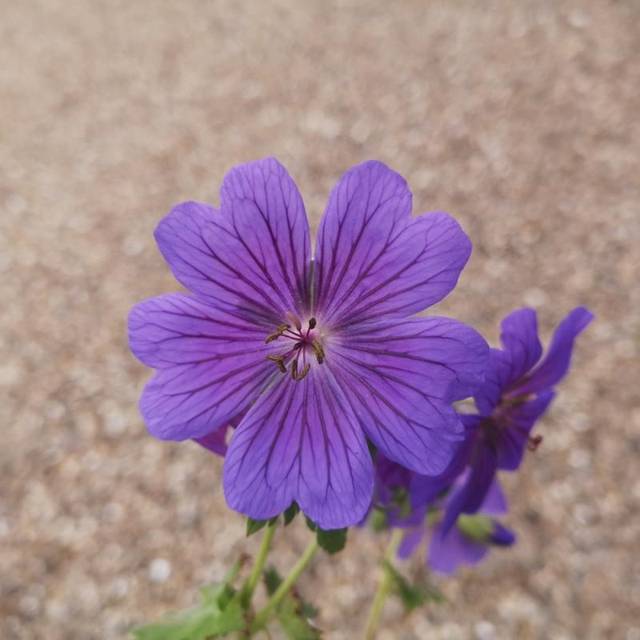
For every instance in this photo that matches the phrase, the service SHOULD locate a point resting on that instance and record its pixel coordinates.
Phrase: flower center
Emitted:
(303, 345)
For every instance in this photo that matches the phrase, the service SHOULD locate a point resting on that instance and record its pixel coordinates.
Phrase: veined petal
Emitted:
(254, 253)
(300, 441)
(398, 377)
(211, 364)
(373, 259)
(514, 436)
(519, 337)
(555, 365)
(497, 376)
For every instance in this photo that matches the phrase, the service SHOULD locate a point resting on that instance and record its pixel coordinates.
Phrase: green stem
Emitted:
(258, 565)
(262, 617)
(384, 587)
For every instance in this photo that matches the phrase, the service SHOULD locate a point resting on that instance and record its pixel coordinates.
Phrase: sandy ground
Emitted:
(520, 118)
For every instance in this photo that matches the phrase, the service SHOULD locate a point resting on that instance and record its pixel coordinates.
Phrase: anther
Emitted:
(279, 360)
(277, 333)
(534, 443)
(318, 350)
(294, 371)
(312, 323)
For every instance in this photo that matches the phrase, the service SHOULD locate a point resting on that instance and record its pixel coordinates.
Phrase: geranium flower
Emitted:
(517, 390)
(315, 356)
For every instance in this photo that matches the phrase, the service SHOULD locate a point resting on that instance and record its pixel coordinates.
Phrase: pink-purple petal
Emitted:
(300, 441)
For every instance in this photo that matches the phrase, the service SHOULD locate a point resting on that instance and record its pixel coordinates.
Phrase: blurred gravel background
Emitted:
(519, 118)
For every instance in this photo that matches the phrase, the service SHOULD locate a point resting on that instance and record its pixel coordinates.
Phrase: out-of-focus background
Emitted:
(520, 118)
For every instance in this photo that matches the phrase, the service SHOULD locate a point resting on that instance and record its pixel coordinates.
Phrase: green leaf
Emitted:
(200, 623)
(218, 614)
(412, 595)
(272, 580)
(332, 540)
(291, 513)
(253, 526)
(294, 624)
(311, 524)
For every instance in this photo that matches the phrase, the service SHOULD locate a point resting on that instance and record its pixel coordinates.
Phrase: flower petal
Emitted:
(212, 364)
(254, 253)
(410, 541)
(474, 486)
(555, 365)
(398, 377)
(497, 376)
(495, 502)
(515, 435)
(519, 337)
(216, 441)
(450, 550)
(301, 442)
(501, 536)
(373, 258)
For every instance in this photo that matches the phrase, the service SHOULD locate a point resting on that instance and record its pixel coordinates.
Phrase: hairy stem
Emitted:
(258, 565)
(384, 587)
(262, 617)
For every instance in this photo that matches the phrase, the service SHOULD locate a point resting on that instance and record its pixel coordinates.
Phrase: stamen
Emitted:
(318, 350)
(277, 333)
(279, 360)
(294, 371)
(534, 443)
(312, 323)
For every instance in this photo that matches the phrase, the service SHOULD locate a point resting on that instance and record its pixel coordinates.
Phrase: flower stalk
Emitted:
(384, 587)
(258, 565)
(262, 617)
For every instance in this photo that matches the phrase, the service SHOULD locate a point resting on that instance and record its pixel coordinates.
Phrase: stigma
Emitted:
(304, 346)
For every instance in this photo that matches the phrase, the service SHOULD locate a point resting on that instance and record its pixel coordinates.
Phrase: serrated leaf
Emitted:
(200, 623)
(412, 595)
(218, 614)
(291, 513)
(293, 613)
(332, 540)
(295, 626)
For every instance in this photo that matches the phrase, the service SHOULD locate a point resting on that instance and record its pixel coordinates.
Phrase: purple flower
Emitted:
(468, 542)
(316, 356)
(517, 390)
